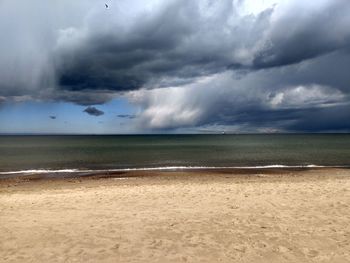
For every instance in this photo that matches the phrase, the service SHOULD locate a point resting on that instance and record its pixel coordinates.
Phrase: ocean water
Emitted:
(75, 153)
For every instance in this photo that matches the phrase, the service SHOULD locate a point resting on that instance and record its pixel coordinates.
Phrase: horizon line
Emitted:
(150, 134)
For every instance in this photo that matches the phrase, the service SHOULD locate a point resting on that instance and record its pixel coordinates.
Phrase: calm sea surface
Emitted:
(145, 151)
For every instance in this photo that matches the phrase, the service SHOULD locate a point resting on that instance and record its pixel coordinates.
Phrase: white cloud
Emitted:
(254, 7)
(306, 96)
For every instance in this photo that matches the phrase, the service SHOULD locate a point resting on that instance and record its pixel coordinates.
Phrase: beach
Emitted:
(267, 215)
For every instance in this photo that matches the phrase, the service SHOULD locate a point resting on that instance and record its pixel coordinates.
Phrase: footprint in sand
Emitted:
(116, 247)
(312, 253)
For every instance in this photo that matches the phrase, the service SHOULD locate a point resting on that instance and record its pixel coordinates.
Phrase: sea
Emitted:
(85, 153)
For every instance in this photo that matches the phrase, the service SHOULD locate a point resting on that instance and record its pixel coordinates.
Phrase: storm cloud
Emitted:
(93, 111)
(284, 99)
(277, 66)
(127, 116)
(178, 41)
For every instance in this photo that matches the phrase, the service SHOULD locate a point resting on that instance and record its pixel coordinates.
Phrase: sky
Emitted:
(174, 66)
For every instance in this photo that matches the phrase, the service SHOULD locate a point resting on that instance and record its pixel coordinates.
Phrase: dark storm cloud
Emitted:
(284, 65)
(85, 98)
(127, 116)
(301, 35)
(28, 43)
(325, 120)
(129, 60)
(93, 111)
(173, 42)
(181, 41)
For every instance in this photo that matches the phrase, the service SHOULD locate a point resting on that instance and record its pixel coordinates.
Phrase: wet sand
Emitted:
(200, 216)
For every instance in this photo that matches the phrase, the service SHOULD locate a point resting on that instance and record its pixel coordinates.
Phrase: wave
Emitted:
(166, 168)
(42, 171)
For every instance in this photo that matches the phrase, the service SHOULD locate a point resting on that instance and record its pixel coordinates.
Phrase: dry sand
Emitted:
(206, 216)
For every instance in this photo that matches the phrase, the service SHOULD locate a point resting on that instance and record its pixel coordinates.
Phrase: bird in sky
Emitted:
(106, 5)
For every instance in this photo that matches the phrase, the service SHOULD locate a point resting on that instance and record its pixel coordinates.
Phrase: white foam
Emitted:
(165, 168)
(42, 171)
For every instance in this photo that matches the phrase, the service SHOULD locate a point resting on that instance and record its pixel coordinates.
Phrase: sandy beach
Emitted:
(200, 216)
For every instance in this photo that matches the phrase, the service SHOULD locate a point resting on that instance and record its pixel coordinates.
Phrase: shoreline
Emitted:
(42, 174)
